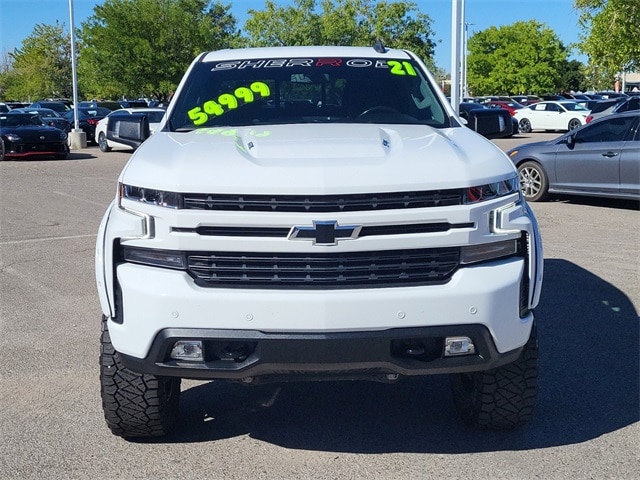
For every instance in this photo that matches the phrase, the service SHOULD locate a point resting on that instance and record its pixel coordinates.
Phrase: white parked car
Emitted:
(552, 115)
(314, 213)
(154, 115)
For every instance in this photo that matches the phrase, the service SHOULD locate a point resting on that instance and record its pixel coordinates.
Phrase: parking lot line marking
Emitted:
(44, 239)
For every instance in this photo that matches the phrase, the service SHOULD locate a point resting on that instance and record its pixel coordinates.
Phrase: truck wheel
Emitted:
(502, 398)
(135, 404)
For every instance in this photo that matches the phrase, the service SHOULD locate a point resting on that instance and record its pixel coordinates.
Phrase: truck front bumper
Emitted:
(256, 357)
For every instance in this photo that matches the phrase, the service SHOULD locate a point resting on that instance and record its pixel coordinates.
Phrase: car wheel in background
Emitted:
(102, 143)
(574, 123)
(533, 181)
(524, 126)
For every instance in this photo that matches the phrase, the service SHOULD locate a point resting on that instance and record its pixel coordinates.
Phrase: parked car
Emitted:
(601, 159)
(511, 107)
(500, 126)
(48, 116)
(626, 105)
(24, 135)
(525, 100)
(59, 107)
(110, 104)
(14, 104)
(589, 104)
(612, 94)
(88, 118)
(154, 116)
(560, 115)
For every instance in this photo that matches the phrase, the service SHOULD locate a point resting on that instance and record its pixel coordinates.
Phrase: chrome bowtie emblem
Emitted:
(325, 232)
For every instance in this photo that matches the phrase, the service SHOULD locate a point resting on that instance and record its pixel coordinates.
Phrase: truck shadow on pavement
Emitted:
(588, 386)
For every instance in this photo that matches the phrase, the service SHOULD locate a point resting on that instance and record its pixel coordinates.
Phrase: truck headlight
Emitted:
(155, 258)
(491, 191)
(489, 251)
(150, 196)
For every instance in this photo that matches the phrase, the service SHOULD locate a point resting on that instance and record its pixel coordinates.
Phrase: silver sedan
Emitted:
(600, 159)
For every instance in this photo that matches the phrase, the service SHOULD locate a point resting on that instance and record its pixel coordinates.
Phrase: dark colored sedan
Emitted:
(88, 118)
(48, 116)
(24, 135)
(599, 159)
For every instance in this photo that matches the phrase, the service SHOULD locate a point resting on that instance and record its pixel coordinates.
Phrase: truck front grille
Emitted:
(397, 268)
(323, 203)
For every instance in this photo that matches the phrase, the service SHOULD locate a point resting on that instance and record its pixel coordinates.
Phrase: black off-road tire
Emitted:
(135, 404)
(502, 398)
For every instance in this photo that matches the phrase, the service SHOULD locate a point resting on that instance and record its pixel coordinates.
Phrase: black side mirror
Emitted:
(571, 141)
(130, 130)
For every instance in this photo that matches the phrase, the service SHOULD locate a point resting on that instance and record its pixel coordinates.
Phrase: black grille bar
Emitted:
(324, 271)
(323, 203)
(280, 232)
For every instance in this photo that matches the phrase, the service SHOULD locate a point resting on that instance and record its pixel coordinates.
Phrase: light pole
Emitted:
(77, 137)
(465, 86)
(456, 7)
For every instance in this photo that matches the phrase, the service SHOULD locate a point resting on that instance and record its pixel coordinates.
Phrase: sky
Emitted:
(19, 17)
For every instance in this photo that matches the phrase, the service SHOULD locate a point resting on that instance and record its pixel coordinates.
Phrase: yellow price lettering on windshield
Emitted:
(261, 88)
(216, 108)
(213, 108)
(401, 68)
(228, 100)
(244, 94)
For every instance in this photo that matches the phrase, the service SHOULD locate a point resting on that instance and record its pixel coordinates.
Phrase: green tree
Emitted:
(611, 34)
(573, 76)
(41, 66)
(342, 22)
(143, 47)
(526, 57)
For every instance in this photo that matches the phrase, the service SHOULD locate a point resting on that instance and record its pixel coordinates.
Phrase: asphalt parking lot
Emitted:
(586, 424)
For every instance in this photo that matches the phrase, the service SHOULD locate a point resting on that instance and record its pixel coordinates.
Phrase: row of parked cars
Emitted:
(563, 112)
(42, 128)
(599, 155)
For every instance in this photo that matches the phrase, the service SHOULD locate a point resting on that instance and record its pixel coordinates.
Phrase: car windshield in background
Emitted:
(319, 90)
(574, 107)
(19, 119)
(154, 117)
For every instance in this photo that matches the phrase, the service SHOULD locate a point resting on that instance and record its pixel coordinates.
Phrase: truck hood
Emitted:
(315, 159)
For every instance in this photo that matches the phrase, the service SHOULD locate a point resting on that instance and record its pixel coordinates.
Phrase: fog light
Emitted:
(458, 346)
(187, 350)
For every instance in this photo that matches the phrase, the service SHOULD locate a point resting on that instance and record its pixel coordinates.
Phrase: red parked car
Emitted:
(512, 107)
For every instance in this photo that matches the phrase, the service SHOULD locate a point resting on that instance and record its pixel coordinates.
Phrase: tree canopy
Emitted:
(525, 57)
(42, 66)
(143, 47)
(342, 22)
(611, 34)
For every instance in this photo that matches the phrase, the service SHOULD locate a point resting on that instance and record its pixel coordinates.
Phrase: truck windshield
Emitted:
(309, 90)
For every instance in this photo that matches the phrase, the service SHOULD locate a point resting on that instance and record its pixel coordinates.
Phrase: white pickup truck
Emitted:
(314, 213)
